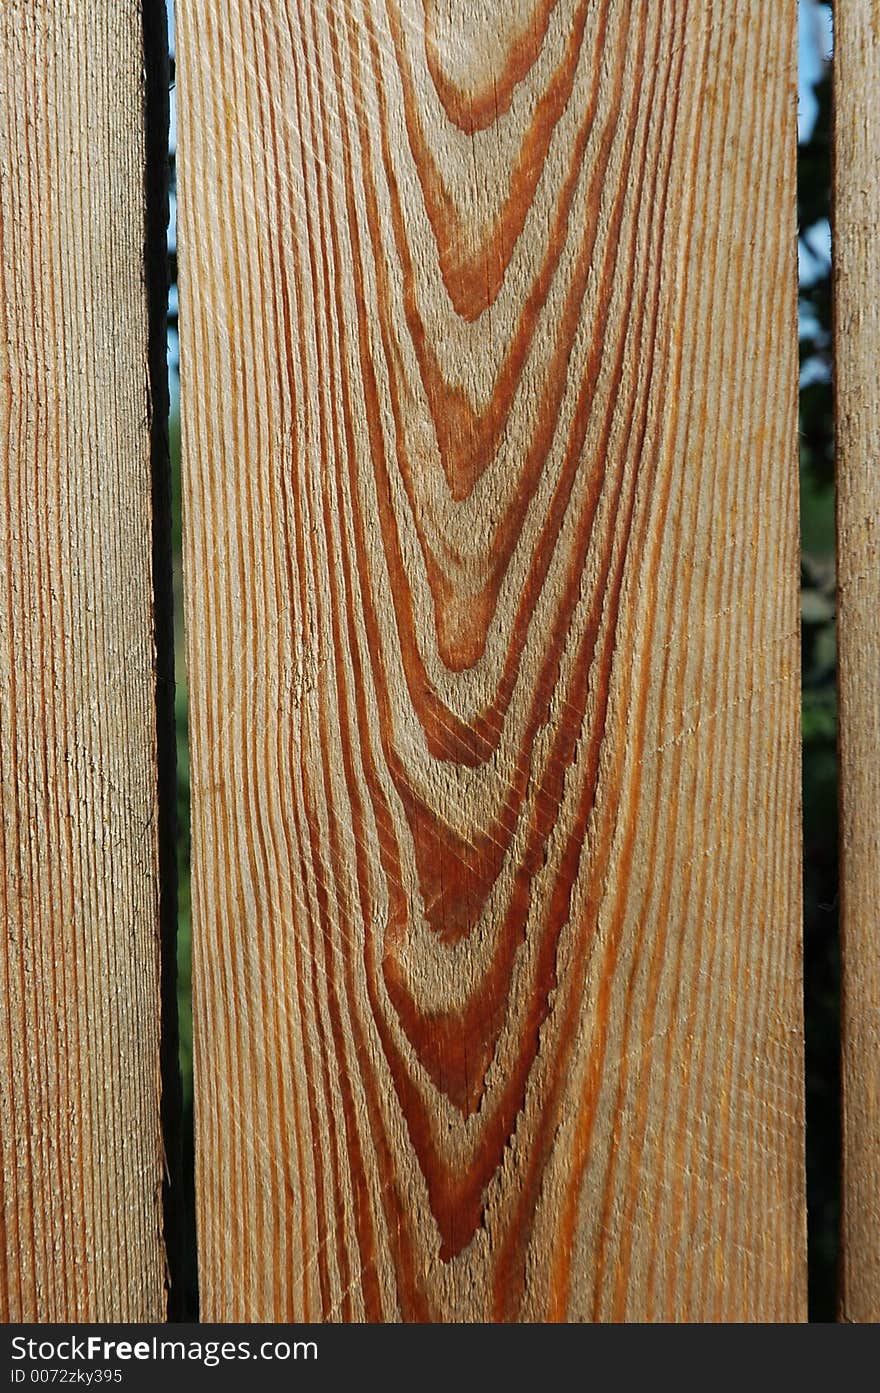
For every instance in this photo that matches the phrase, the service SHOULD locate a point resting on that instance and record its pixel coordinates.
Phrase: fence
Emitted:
(489, 395)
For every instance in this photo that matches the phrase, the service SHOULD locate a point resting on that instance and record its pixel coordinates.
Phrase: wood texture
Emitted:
(81, 1174)
(856, 349)
(489, 412)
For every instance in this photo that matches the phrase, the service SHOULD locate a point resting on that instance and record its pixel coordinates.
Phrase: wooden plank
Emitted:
(856, 347)
(82, 1169)
(489, 415)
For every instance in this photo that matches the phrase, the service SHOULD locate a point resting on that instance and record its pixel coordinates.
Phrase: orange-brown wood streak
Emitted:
(82, 1159)
(857, 422)
(489, 392)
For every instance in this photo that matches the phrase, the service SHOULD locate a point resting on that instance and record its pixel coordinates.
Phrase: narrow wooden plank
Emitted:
(81, 1173)
(489, 413)
(856, 349)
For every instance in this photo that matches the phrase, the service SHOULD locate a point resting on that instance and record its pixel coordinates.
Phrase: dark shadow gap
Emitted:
(156, 181)
(819, 674)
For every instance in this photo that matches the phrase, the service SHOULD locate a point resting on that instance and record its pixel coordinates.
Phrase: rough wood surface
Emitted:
(489, 412)
(81, 1173)
(856, 350)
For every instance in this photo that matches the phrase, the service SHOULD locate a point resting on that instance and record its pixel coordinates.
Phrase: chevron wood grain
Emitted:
(489, 433)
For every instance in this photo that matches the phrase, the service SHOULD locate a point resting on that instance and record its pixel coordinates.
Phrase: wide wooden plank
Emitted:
(82, 1166)
(856, 349)
(489, 411)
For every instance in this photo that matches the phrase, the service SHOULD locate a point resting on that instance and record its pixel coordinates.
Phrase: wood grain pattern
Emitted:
(489, 393)
(81, 1174)
(856, 346)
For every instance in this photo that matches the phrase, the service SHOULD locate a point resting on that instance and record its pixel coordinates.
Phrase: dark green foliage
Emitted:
(821, 956)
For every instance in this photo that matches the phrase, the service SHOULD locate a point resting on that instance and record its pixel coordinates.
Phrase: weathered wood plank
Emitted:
(856, 349)
(81, 1173)
(489, 414)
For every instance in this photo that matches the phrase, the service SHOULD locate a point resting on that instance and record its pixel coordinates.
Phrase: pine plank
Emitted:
(82, 1166)
(489, 421)
(856, 347)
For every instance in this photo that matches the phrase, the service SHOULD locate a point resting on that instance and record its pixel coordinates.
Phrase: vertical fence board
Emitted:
(489, 422)
(856, 348)
(81, 1174)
